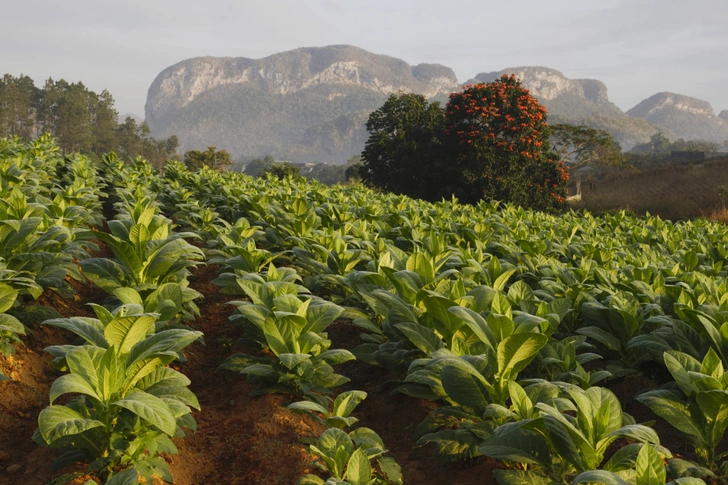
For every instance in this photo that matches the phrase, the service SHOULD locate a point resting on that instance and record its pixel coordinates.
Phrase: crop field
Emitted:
(213, 328)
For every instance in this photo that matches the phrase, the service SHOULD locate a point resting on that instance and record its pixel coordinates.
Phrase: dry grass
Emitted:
(720, 215)
(677, 192)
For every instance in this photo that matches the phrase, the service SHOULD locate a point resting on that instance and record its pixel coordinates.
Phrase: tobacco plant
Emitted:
(129, 404)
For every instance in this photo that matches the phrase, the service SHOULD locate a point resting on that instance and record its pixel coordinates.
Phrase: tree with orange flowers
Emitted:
(499, 137)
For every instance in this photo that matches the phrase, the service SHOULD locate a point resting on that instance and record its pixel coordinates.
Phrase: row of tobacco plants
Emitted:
(516, 323)
(117, 404)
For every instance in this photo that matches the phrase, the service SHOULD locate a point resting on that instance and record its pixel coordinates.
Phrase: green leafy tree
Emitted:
(499, 137)
(103, 123)
(283, 170)
(212, 157)
(403, 151)
(659, 144)
(581, 145)
(257, 166)
(17, 106)
(130, 138)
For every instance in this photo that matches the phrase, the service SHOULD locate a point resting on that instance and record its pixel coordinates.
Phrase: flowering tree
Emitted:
(499, 136)
(491, 141)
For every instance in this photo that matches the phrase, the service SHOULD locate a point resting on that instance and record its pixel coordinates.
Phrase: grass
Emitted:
(673, 192)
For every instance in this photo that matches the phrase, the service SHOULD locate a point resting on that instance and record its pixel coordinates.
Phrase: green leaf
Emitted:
(670, 408)
(320, 315)
(421, 337)
(500, 283)
(358, 469)
(603, 337)
(521, 477)
(7, 297)
(105, 273)
(477, 324)
(649, 467)
(604, 477)
(9, 323)
(521, 403)
(714, 406)
(391, 470)
(420, 264)
(517, 442)
(151, 409)
(347, 401)
(71, 383)
(310, 480)
(293, 360)
(459, 443)
(465, 385)
(128, 296)
(125, 332)
(127, 477)
(517, 351)
(55, 422)
(87, 328)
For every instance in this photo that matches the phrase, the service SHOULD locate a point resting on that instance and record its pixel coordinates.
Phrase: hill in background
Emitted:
(311, 104)
(306, 98)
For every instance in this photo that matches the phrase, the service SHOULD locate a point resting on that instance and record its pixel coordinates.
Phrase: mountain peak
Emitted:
(687, 117)
(290, 72)
(665, 100)
(254, 106)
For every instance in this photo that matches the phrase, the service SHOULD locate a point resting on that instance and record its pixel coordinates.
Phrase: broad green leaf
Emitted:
(125, 332)
(464, 385)
(358, 469)
(517, 351)
(649, 467)
(71, 383)
(421, 337)
(602, 477)
(151, 409)
(55, 422)
(670, 408)
(345, 402)
(127, 477)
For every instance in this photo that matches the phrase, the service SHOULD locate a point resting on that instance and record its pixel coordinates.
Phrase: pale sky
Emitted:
(636, 47)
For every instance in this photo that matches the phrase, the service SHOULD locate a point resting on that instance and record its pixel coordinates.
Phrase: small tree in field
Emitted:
(500, 140)
(283, 170)
(212, 157)
(403, 151)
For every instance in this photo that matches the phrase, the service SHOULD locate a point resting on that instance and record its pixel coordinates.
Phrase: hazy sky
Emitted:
(637, 47)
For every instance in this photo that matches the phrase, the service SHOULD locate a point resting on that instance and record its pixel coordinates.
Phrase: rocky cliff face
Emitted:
(312, 103)
(686, 117)
(310, 85)
(577, 101)
(573, 98)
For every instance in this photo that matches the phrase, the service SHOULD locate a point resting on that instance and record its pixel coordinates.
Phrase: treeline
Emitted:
(80, 120)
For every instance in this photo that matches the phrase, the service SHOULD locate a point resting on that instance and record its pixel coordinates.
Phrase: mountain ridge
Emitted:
(311, 103)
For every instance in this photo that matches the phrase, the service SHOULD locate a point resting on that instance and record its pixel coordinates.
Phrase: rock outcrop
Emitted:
(685, 117)
(253, 106)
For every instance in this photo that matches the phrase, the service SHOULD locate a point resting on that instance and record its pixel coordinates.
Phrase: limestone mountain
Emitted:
(306, 98)
(685, 117)
(577, 101)
(312, 104)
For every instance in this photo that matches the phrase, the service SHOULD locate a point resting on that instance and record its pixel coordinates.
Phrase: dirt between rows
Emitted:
(241, 440)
